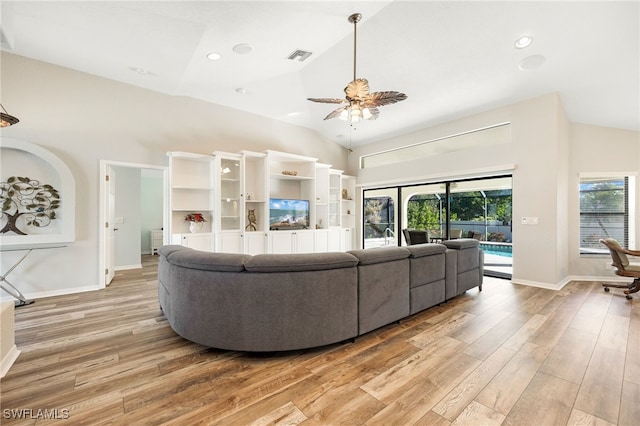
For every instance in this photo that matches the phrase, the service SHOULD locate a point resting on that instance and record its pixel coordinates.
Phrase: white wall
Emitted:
(544, 156)
(84, 119)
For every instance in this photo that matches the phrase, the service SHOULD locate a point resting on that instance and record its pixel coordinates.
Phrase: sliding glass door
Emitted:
(379, 217)
(481, 209)
(478, 208)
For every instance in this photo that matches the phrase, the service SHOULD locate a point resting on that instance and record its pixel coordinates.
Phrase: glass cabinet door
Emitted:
(230, 188)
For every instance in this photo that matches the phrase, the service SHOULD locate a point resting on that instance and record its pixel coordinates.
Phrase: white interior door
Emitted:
(110, 243)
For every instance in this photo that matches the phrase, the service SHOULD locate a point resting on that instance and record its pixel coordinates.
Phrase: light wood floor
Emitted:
(509, 355)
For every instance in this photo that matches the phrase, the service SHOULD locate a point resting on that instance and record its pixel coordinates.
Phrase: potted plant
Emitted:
(196, 220)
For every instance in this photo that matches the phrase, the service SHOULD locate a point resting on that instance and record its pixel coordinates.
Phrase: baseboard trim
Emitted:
(127, 267)
(61, 292)
(607, 279)
(560, 285)
(8, 360)
(548, 286)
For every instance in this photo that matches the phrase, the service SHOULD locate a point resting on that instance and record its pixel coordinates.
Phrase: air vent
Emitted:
(299, 55)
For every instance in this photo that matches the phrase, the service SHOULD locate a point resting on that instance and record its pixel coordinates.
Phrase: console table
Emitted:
(10, 288)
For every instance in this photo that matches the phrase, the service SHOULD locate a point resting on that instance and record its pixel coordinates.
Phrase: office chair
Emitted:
(624, 268)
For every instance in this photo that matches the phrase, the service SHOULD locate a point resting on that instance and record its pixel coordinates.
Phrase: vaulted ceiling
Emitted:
(451, 58)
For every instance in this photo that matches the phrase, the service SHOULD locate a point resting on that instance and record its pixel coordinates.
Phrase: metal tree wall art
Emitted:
(26, 198)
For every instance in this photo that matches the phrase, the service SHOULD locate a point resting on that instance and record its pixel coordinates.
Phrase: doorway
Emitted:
(133, 201)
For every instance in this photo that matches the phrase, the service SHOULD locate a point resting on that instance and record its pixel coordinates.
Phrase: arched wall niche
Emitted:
(25, 159)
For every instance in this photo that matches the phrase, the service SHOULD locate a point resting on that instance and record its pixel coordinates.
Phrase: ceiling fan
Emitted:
(360, 104)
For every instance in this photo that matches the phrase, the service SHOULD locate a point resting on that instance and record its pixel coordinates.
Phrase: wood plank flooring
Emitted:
(509, 355)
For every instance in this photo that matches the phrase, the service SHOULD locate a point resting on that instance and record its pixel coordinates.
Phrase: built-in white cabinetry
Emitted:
(255, 242)
(229, 242)
(335, 239)
(346, 239)
(291, 178)
(321, 240)
(196, 241)
(334, 198)
(246, 199)
(192, 191)
(229, 205)
(229, 174)
(322, 196)
(299, 241)
(348, 212)
(256, 211)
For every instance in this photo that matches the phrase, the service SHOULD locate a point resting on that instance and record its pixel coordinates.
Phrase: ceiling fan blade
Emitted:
(375, 113)
(358, 89)
(328, 100)
(336, 113)
(384, 98)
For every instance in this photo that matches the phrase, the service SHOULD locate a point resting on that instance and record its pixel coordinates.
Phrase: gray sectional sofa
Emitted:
(279, 302)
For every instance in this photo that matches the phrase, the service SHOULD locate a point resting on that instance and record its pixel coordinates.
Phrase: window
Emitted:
(485, 138)
(606, 211)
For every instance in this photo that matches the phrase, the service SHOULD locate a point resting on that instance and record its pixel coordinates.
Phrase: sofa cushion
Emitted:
(380, 254)
(426, 249)
(300, 262)
(462, 243)
(204, 260)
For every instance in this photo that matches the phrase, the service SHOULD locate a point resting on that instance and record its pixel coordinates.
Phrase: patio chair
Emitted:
(407, 237)
(624, 268)
(418, 236)
(455, 234)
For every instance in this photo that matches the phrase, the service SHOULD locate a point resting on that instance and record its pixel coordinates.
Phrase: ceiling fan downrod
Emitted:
(354, 19)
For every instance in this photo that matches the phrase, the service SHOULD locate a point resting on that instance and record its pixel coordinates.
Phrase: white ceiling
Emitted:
(451, 58)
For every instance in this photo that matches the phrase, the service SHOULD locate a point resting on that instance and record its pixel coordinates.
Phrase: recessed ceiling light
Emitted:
(523, 41)
(531, 62)
(243, 48)
(214, 56)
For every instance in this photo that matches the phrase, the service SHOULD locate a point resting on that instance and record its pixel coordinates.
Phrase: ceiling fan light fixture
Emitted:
(6, 119)
(361, 104)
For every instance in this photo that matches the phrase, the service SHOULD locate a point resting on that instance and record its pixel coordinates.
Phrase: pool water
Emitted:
(496, 249)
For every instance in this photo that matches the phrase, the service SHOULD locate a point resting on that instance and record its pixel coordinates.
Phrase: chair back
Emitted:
(418, 236)
(619, 258)
(407, 236)
(455, 234)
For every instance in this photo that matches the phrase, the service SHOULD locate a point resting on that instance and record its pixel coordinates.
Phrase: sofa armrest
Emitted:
(203, 260)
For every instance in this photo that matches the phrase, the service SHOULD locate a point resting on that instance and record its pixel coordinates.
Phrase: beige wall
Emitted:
(544, 157)
(83, 119)
(598, 150)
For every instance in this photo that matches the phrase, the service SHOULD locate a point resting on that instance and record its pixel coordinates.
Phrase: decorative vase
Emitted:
(195, 227)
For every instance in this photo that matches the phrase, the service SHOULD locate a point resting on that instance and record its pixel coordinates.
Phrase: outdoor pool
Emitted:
(496, 249)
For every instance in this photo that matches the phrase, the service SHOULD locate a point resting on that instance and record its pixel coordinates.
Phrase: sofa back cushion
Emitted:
(203, 260)
(300, 262)
(380, 254)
